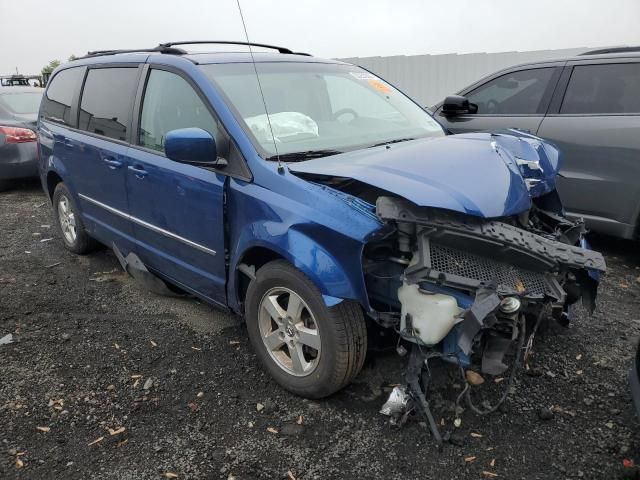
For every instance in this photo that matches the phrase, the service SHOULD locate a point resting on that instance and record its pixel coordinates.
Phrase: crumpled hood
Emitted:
(482, 174)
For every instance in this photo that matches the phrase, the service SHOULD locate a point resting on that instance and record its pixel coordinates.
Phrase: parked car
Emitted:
(18, 147)
(589, 107)
(14, 81)
(346, 201)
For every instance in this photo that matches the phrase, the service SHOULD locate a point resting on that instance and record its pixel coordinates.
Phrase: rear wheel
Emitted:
(310, 349)
(70, 225)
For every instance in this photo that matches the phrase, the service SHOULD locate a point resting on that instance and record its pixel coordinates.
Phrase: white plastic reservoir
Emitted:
(432, 314)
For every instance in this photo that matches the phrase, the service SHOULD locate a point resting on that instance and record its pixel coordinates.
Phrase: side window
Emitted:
(603, 88)
(56, 104)
(171, 103)
(518, 93)
(107, 101)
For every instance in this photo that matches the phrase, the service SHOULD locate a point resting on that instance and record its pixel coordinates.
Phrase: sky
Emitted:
(33, 32)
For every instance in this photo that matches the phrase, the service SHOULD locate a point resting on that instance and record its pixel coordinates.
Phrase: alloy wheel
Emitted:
(67, 219)
(289, 331)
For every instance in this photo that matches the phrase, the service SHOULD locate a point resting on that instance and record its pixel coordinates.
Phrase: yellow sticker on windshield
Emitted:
(380, 86)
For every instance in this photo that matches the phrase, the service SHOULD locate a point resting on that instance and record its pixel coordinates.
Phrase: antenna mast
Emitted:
(264, 102)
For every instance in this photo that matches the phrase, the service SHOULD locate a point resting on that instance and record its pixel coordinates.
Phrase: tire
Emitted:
(80, 242)
(341, 333)
(4, 185)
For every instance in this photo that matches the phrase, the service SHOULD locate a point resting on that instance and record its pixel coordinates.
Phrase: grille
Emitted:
(469, 265)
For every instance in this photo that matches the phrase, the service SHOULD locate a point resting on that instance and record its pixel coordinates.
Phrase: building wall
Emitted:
(430, 78)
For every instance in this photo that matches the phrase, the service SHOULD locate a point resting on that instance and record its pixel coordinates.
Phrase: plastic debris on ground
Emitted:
(396, 404)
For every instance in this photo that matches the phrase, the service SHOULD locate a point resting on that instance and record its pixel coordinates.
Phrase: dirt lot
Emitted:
(88, 340)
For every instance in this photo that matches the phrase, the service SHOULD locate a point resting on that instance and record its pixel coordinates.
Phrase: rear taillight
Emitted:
(18, 135)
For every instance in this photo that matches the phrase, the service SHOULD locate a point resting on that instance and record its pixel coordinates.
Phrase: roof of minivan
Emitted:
(260, 57)
(203, 58)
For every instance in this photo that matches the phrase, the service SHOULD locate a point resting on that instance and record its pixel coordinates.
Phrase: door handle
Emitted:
(112, 162)
(138, 171)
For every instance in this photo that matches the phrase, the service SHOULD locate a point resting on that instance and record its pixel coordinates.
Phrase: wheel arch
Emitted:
(56, 172)
(53, 179)
(323, 269)
(247, 264)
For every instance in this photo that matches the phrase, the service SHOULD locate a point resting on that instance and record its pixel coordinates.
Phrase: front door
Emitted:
(176, 209)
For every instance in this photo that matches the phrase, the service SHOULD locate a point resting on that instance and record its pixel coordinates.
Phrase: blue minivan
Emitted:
(314, 199)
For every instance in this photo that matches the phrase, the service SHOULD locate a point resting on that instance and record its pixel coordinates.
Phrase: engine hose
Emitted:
(466, 392)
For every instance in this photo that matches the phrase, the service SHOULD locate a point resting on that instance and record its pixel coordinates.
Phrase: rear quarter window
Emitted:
(107, 101)
(56, 103)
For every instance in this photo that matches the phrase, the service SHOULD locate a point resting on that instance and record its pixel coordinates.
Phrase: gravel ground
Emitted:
(105, 380)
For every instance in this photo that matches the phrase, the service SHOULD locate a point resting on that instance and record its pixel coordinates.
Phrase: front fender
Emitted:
(340, 278)
(323, 237)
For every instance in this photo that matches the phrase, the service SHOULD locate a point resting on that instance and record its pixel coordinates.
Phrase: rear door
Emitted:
(177, 209)
(596, 124)
(98, 150)
(516, 99)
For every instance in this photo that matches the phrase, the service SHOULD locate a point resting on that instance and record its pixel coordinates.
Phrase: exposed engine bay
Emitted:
(467, 289)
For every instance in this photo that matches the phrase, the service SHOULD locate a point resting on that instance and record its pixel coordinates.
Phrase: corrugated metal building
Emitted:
(430, 78)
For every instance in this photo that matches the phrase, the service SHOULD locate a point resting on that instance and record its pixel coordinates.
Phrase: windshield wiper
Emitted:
(397, 140)
(299, 156)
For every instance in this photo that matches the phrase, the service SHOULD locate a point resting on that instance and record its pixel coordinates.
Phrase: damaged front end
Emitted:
(474, 254)
(468, 290)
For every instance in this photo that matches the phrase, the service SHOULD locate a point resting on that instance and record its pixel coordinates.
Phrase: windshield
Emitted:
(317, 107)
(27, 102)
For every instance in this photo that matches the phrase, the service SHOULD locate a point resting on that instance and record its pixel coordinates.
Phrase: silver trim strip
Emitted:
(142, 223)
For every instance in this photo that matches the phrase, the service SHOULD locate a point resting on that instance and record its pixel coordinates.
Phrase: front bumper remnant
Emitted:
(498, 240)
(501, 272)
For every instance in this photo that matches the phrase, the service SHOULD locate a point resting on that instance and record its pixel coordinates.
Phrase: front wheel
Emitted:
(310, 349)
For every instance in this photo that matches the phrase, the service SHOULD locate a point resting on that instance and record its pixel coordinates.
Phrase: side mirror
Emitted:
(191, 145)
(457, 105)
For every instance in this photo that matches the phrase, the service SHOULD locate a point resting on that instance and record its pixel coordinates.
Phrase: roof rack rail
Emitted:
(602, 51)
(169, 48)
(158, 49)
(229, 42)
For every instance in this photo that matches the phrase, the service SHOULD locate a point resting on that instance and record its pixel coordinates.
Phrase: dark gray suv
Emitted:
(589, 106)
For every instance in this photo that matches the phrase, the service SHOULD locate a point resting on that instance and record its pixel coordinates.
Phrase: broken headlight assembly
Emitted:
(468, 290)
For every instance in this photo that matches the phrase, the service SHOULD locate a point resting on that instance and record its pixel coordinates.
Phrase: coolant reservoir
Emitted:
(432, 314)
